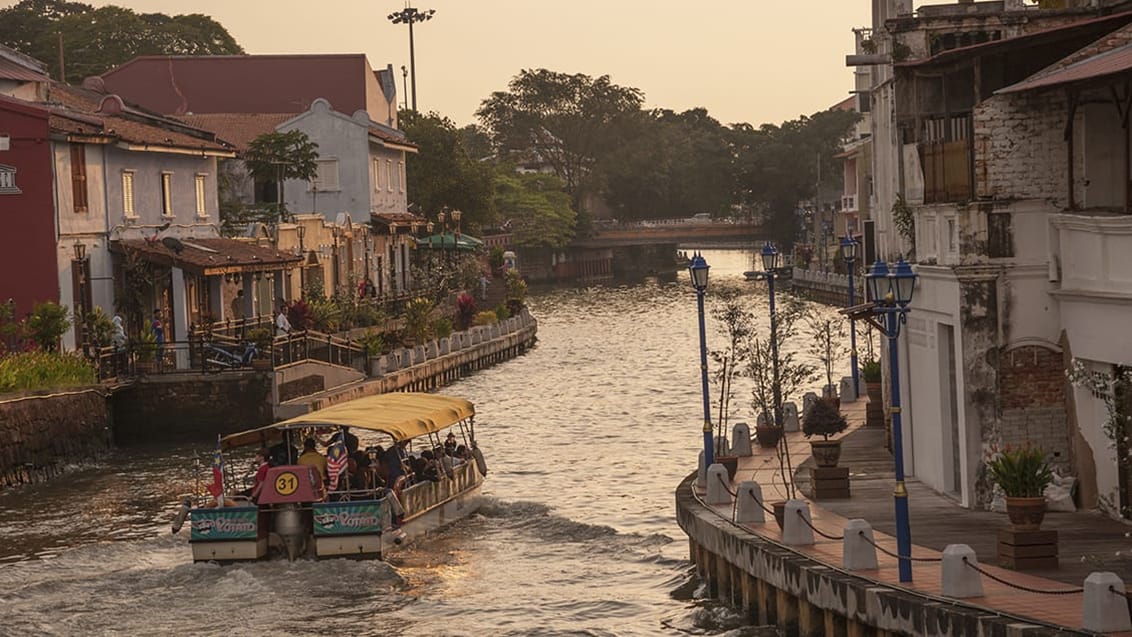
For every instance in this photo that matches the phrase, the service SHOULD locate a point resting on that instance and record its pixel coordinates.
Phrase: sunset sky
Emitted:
(750, 61)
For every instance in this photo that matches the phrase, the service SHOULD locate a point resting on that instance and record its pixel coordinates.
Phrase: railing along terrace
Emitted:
(307, 345)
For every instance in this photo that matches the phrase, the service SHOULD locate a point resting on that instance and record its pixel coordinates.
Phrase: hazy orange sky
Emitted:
(750, 61)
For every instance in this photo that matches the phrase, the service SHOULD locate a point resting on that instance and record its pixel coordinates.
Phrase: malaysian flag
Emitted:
(217, 486)
(336, 458)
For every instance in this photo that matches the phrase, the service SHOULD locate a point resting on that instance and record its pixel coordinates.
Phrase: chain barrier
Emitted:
(897, 555)
(816, 529)
(1069, 591)
(726, 487)
(751, 492)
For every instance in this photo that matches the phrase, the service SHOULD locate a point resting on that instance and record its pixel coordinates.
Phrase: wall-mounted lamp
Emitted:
(80, 251)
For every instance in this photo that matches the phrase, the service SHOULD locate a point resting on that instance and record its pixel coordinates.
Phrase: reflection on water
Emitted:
(586, 437)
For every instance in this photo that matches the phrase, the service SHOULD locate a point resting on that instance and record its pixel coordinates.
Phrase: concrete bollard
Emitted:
(1105, 611)
(444, 345)
(846, 391)
(857, 554)
(741, 439)
(748, 495)
(717, 483)
(790, 417)
(418, 354)
(377, 366)
(808, 401)
(795, 532)
(701, 473)
(431, 350)
(765, 419)
(959, 579)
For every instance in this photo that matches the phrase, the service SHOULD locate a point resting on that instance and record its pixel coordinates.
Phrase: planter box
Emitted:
(830, 483)
(1024, 550)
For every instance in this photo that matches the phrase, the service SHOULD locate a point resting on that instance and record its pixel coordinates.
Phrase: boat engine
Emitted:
(290, 524)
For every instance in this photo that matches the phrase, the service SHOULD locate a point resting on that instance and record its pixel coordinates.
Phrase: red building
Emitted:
(28, 271)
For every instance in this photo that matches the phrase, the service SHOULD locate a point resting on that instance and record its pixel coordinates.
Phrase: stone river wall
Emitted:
(40, 434)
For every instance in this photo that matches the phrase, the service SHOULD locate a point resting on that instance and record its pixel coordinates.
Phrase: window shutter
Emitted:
(78, 177)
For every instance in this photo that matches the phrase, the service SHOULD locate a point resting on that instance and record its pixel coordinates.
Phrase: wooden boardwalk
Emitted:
(1088, 541)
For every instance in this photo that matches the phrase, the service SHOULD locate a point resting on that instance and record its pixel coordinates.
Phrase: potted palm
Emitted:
(824, 419)
(1023, 474)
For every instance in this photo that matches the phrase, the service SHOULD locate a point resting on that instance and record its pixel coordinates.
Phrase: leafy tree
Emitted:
(48, 322)
(565, 121)
(96, 40)
(443, 173)
(777, 167)
(669, 165)
(281, 156)
(537, 208)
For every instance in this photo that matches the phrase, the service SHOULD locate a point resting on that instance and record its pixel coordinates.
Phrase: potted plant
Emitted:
(146, 349)
(824, 419)
(1023, 474)
(871, 375)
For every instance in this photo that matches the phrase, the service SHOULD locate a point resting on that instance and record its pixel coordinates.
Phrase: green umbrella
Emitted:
(449, 241)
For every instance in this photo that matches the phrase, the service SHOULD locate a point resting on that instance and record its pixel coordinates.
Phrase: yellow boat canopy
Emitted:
(401, 415)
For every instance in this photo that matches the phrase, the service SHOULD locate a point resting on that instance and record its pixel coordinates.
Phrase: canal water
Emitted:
(586, 437)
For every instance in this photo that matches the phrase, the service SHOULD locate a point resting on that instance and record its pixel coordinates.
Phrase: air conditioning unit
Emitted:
(5, 141)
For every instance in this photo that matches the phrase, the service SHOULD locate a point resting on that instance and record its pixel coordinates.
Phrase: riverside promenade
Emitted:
(805, 591)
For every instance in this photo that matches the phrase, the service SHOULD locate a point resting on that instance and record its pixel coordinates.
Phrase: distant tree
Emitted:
(669, 165)
(443, 173)
(96, 40)
(537, 208)
(280, 156)
(564, 121)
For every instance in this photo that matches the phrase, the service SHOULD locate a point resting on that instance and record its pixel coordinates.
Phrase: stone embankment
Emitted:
(43, 433)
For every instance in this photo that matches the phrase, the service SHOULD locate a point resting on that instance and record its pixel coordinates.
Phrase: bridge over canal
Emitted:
(677, 231)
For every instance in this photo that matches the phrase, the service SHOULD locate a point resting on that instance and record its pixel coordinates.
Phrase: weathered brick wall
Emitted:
(41, 434)
(191, 407)
(1020, 148)
(1032, 401)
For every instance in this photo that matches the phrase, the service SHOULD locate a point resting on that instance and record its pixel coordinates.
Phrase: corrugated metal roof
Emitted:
(1107, 63)
(9, 70)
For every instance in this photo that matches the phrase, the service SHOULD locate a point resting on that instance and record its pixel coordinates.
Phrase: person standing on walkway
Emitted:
(282, 324)
(238, 306)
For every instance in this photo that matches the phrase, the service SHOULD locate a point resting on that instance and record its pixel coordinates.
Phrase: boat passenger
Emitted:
(461, 455)
(312, 458)
(450, 443)
(262, 466)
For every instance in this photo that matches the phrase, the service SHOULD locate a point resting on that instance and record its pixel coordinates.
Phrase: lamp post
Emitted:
(698, 269)
(891, 292)
(440, 218)
(410, 15)
(769, 256)
(430, 225)
(302, 231)
(849, 253)
(456, 214)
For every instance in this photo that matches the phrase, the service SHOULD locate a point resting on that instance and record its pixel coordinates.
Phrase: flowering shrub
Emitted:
(465, 309)
(487, 317)
(1022, 473)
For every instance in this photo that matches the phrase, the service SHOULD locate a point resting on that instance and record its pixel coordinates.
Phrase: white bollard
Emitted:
(748, 509)
(765, 419)
(848, 394)
(722, 447)
(701, 473)
(741, 439)
(717, 484)
(790, 417)
(1105, 611)
(796, 532)
(857, 554)
(959, 579)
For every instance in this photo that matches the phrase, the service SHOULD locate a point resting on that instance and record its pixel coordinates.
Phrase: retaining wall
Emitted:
(41, 434)
(191, 406)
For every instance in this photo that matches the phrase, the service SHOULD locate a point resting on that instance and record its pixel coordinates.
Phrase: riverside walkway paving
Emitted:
(1088, 540)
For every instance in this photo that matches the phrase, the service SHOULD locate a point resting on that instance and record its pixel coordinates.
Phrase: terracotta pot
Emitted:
(768, 436)
(731, 463)
(826, 452)
(1026, 514)
(779, 513)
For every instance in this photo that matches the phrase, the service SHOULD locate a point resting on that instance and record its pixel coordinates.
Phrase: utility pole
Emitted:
(405, 84)
(409, 16)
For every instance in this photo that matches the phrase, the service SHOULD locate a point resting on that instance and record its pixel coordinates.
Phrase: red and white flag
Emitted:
(336, 459)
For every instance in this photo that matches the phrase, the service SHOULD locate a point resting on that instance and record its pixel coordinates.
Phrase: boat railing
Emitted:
(424, 495)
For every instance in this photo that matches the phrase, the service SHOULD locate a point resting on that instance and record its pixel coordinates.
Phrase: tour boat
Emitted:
(296, 515)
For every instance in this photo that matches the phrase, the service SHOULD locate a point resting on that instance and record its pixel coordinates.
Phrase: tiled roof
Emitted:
(392, 138)
(211, 256)
(238, 129)
(76, 111)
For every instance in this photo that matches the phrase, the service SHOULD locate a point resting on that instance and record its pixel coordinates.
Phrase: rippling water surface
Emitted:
(586, 437)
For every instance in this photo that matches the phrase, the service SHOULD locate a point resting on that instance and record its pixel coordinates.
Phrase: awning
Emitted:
(449, 241)
(401, 415)
(208, 257)
(1107, 63)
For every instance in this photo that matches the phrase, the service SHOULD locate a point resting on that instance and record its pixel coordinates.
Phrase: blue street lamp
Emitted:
(698, 269)
(891, 291)
(849, 253)
(770, 265)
